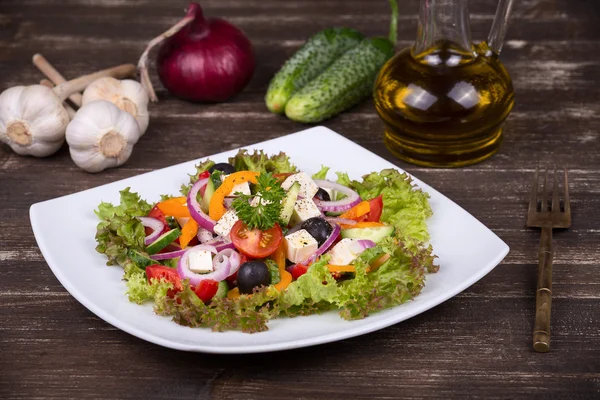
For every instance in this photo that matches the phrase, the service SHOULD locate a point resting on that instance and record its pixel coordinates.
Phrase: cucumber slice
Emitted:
(287, 208)
(140, 259)
(163, 241)
(222, 290)
(375, 234)
(208, 194)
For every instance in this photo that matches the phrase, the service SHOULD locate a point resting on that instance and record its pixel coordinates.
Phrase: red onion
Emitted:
(221, 244)
(352, 198)
(168, 256)
(201, 59)
(324, 247)
(327, 244)
(221, 269)
(156, 225)
(195, 211)
(343, 221)
(229, 256)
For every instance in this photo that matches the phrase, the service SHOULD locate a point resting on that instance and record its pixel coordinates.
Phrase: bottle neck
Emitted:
(443, 24)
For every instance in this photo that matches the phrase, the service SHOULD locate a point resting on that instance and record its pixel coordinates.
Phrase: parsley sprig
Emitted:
(267, 209)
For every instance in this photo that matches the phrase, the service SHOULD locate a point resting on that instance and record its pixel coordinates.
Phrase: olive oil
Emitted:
(445, 106)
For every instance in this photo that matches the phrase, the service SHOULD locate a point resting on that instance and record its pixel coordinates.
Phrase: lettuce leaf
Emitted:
(322, 174)
(140, 291)
(248, 313)
(203, 166)
(120, 230)
(404, 206)
(261, 162)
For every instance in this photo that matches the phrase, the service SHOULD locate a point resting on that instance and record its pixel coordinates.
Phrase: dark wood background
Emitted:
(477, 344)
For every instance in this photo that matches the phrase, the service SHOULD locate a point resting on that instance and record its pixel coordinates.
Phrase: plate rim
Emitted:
(261, 348)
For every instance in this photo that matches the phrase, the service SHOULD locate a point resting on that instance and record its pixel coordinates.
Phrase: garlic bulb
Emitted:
(101, 136)
(128, 95)
(32, 120)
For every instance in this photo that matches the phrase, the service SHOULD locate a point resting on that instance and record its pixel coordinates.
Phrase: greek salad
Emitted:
(255, 238)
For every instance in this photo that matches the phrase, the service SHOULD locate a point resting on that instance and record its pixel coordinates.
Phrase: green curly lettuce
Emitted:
(404, 206)
(260, 162)
(140, 291)
(322, 174)
(119, 230)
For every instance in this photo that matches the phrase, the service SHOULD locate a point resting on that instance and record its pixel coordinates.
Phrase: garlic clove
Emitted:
(128, 95)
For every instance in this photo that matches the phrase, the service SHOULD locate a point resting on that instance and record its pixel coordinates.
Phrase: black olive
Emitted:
(226, 168)
(252, 274)
(318, 228)
(323, 195)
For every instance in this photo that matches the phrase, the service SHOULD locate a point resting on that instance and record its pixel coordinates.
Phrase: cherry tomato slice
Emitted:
(298, 270)
(254, 242)
(206, 290)
(167, 274)
(159, 215)
(376, 206)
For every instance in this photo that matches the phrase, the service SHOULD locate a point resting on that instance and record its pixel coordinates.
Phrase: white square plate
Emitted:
(467, 251)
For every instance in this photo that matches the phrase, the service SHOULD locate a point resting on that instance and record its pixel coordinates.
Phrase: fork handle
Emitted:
(543, 299)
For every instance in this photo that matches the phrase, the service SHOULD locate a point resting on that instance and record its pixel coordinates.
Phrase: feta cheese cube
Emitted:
(303, 210)
(344, 252)
(200, 261)
(308, 187)
(244, 188)
(300, 245)
(225, 223)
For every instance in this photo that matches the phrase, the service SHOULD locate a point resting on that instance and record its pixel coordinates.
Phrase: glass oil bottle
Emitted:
(445, 99)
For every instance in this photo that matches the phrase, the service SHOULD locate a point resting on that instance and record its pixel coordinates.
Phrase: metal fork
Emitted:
(545, 215)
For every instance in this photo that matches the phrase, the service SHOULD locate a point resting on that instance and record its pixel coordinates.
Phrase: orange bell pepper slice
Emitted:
(358, 210)
(188, 232)
(216, 208)
(341, 268)
(174, 207)
(364, 224)
(233, 293)
(286, 277)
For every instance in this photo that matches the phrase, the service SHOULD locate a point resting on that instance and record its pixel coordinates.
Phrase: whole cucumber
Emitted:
(343, 84)
(313, 58)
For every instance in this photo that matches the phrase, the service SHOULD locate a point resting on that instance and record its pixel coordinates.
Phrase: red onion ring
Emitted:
(168, 256)
(221, 268)
(195, 211)
(157, 228)
(352, 198)
(343, 221)
(231, 257)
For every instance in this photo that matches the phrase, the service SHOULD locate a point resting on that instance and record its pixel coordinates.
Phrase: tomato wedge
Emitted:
(160, 272)
(206, 290)
(254, 242)
(298, 270)
(376, 208)
(159, 215)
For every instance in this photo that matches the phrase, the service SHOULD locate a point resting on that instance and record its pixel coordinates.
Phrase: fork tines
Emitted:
(542, 211)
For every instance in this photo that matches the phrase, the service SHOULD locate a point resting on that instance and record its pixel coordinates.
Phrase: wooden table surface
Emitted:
(477, 344)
